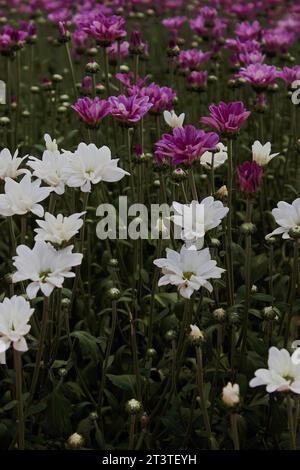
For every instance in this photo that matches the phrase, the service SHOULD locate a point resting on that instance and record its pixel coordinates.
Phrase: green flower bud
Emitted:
(75, 441)
(133, 407)
(247, 228)
(114, 293)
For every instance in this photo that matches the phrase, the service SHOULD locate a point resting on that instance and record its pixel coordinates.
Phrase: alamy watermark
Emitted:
(137, 221)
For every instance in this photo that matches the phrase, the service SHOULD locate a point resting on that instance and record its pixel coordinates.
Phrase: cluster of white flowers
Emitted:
(50, 261)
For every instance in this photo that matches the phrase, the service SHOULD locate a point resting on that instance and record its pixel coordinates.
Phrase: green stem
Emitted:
(200, 383)
(108, 352)
(234, 431)
(131, 432)
(291, 424)
(19, 398)
(229, 224)
(69, 58)
(294, 281)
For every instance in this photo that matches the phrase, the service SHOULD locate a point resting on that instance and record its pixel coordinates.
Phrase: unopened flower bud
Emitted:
(179, 174)
(133, 407)
(231, 395)
(56, 78)
(170, 335)
(4, 121)
(214, 243)
(294, 232)
(113, 263)
(222, 193)
(92, 52)
(75, 441)
(113, 293)
(92, 67)
(271, 313)
(93, 416)
(247, 228)
(62, 372)
(196, 336)
(234, 318)
(151, 353)
(219, 314)
(254, 289)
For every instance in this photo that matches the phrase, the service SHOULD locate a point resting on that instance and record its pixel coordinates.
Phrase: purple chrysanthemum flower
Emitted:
(290, 74)
(185, 145)
(113, 50)
(198, 25)
(226, 118)
(197, 80)
(250, 176)
(277, 40)
(129, 109)
(174, 23)
(259, 75)
(246, 30)
(106, 29)
(193, 58)
(161, 98)
(92, 111)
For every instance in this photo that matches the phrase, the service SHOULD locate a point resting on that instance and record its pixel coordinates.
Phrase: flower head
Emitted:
(185, 145)
(262, 153)
(44, 266)
(161, 98)
(106, 29)
(216, 159)
(231, 395)
(59, 229)
(197, 80)
(22, 197)
(14, 317)
(226, 118)
(250, 175)
(129, 109)
(50, 167)
(9, 164)
(196, 219)
(92, 111)
(172, 119)
(89, 165)
(287, 216)
(189, 270)
(282, 375)
(193, 58)
(259, 75)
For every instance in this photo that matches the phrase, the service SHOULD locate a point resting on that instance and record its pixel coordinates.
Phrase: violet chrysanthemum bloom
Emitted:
(250, 176)
(226, 118)
(161, 98)
(198, 25)
(113, 50)
(290, 74)
(185, 145)
(245, 30)
(259, 75)
(174, 23)
(193, 58)
(197, 80)
(106, 29)
(92, 111)
(129, 109)
(277, 41)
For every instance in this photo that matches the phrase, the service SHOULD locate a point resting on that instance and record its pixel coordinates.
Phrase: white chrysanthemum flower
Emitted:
(287, 216)
(197, 218)
(14, 317)
(262, 153)
(208, 159)
(51, 144)
(231, 395)
(22, 197)
(9, 164)
(50, 169)
(173, 120)
(58, 229)
(283, 374)
(189, 270)
(45, 266)
(89, 165)
(196, 334)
